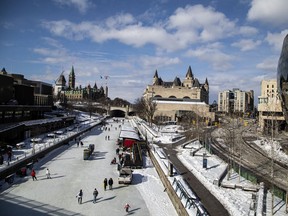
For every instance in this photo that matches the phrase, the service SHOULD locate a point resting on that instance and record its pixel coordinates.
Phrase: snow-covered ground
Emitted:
(146, 195)
(70, 173)
(237, 201)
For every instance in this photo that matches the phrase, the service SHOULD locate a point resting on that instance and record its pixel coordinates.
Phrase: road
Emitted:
(210, 202)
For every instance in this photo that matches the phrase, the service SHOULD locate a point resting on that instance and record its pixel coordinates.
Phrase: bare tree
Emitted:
(145, 108)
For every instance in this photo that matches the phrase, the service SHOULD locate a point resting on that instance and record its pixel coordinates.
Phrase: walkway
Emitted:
(212, 204)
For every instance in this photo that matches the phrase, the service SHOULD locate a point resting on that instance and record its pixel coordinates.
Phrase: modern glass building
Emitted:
(282, 77)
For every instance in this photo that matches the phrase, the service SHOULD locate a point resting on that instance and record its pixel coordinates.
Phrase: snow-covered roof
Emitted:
(129, 135)
(127, 128)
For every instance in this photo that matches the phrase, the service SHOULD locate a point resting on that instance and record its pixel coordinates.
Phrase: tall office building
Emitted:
(236, 101)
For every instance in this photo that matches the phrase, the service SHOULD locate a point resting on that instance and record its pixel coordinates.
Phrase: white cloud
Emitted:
(269, 64)
(52, 56)
(269, 11)
(157, 61)
(247, 30)
(187, 26)
(203, 24)
(246, 44)
(81, 5)
(276, 39)
(7, 25)
(120, 20)
(212, 54)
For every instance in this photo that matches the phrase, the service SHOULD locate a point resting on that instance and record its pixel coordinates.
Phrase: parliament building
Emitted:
(77, 93)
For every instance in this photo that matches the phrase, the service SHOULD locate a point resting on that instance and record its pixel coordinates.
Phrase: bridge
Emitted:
(123, 111)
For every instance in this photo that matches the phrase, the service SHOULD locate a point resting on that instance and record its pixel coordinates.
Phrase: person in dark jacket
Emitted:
(79, 196)
(95, 194)
(105, 183)
(110, 182)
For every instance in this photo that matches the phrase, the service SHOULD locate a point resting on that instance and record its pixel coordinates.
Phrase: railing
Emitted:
(190, 201)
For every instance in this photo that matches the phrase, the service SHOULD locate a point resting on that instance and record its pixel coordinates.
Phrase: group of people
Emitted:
(33, 174)
(95, 194)
(108, 182)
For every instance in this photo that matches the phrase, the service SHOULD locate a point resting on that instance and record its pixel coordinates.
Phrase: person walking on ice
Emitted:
(110, 182)
(48, 173)
(33, 174)
(126, 207)
(105, 183)
(95, 194)
(79, 196)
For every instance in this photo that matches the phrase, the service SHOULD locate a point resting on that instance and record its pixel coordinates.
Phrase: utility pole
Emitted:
(240, 157)
(272, 165)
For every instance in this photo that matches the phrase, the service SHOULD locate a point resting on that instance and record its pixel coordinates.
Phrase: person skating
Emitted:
(105, 183)
(95, 194)
(113, 161)
(48, 174)
(79, 196)
(33, 174)
(126, 207)
(110, 182)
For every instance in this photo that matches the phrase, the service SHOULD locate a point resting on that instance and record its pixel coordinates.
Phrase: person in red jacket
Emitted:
(33, 174)
(126, 207)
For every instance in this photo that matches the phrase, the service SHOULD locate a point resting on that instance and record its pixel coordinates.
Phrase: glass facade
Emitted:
(282, 77)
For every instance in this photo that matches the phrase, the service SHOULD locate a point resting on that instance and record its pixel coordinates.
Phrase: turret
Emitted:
(206, 85)
(155, 78)
(189, 78)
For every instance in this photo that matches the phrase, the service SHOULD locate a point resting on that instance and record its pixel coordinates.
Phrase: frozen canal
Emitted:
(70, 173)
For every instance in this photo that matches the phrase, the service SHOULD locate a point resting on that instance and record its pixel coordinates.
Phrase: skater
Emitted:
(110, 182)
(81, 144)
(95, 194)
(9, 153)
(48, 173)
(33, 174)
(79, 196)
(113, 161)
(105, 184)
(126, 207)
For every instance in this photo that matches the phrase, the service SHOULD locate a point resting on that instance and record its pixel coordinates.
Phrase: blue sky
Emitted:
(232, 43)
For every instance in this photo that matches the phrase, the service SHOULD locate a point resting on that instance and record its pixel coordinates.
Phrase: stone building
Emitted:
(75, 93)
(175, 99)
(269, 107)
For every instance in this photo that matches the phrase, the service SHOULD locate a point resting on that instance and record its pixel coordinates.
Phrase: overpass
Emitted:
(123, 111)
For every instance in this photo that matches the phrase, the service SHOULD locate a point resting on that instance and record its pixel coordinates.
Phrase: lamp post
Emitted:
(33, 150)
